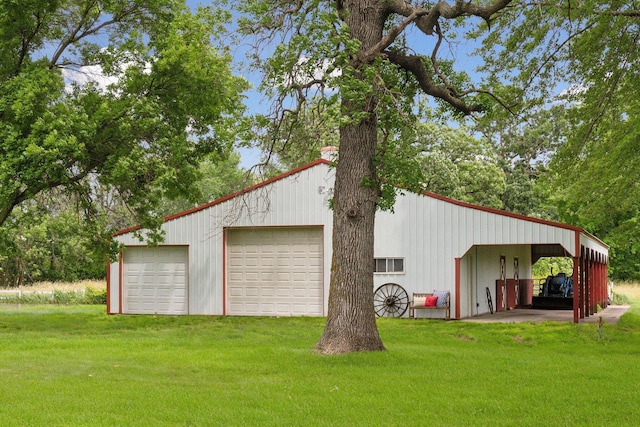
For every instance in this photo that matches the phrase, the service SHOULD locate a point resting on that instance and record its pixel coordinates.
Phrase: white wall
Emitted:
(430, 233)
(480, 268)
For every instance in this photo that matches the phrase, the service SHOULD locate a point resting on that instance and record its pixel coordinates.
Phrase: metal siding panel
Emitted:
(466, 225)
(416, 246)
(477, 226)
(511, 227)
(496, 229)
(440, 241)
(455, 229)
(520, 232)
(527, 236)
(447, 245)
(485, 226)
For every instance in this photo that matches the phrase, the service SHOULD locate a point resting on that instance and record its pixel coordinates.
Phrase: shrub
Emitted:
(95, 296)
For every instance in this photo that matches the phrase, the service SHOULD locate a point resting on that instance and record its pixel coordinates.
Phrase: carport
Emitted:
(590, 262)
(589, 274)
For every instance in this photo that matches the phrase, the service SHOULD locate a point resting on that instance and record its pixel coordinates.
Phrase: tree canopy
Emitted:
(588, 53)
(127, 94)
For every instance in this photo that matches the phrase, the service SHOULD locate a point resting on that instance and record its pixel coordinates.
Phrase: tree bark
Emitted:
(351, 322)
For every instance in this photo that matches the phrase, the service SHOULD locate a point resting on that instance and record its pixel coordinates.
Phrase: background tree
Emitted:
(597, 170)
(524, 145)
(219, 176)
(162, 99)
(48, 239)
(590, 50)
(459, 165)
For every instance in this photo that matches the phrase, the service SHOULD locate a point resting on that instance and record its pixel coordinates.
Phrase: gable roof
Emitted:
(321, 161)
(233, 195)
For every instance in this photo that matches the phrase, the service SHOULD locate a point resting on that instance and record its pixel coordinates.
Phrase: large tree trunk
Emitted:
(351, 322)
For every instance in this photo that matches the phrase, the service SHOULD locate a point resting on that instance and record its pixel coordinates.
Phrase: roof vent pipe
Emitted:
(329, 153)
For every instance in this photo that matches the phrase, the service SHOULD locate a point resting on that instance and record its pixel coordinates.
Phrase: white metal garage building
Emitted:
(267, 251)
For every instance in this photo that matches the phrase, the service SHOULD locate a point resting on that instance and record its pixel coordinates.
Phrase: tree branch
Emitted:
(434, 63)
(26, 41)
(76, 35)
(391, 36)
(415, 65)
(427, 19)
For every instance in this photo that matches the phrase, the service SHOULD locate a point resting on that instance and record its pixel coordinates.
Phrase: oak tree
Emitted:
(357, 53)
(125, 94)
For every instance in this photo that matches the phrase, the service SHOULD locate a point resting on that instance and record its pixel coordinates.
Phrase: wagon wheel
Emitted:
(390, 300)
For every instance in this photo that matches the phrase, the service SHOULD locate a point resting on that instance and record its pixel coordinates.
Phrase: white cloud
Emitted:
(87, 74)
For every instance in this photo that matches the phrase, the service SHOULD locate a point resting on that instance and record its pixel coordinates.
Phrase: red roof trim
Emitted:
(233, 195)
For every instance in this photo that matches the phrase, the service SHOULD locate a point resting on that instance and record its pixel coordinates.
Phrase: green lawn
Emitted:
(76, 366)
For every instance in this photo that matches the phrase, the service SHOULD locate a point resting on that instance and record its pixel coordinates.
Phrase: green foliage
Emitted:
(551, 266)
(600, 191)
(95, 296)
(583, 56)
(67, 297)
(298, 139)
(33, 298)
(47, 240)
(459, 165)
(218, 176)
(620, 299)
(166, 100)
(72, 354)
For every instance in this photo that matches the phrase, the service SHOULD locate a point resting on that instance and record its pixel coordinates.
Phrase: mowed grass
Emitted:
(77, 366)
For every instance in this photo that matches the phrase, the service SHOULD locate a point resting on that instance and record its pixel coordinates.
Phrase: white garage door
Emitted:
(155, 280)
(275, 272)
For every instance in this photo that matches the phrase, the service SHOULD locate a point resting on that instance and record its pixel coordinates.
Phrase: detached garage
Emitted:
(266, 251)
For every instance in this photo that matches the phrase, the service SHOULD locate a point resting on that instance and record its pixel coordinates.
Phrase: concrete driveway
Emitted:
(611, 314)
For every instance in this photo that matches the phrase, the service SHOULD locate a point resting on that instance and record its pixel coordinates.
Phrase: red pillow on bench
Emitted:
(431, 301)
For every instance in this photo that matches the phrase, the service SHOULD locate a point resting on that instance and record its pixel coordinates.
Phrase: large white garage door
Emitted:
(155, 280)
(275, 272)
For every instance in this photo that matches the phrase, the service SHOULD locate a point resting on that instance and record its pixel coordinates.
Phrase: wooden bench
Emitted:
(418, 303)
